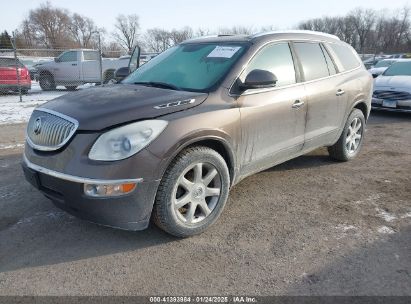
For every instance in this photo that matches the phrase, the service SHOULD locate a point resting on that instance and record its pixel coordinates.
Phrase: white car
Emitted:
(392, 89)
(381, 66)
(76, 67)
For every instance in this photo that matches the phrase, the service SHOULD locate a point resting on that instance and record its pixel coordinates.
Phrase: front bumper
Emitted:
(131, 211)
(401, 105)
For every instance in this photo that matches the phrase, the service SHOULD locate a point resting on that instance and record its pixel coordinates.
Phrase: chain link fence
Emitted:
(25, 72)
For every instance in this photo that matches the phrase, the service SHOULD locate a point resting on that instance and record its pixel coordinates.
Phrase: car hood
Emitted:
(393, 83)
(102, 107)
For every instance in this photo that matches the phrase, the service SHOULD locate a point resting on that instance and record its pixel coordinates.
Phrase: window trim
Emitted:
(301, 65)
(258, 91)
(268, 44)
(337, 59)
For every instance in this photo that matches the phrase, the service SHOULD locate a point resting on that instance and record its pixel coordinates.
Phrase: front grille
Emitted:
(48, 130)
(392, 95)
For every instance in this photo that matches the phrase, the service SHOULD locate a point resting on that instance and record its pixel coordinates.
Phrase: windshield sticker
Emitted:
(223, 52)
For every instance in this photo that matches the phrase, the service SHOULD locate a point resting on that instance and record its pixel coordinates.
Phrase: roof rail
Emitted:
(296, 32)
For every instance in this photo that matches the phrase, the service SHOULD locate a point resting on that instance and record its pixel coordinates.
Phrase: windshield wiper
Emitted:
(159, 85)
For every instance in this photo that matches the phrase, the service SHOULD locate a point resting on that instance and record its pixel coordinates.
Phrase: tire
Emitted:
(24, 91)
(108, 75)
(349, 144)
(71, 88)
(47, 82)
(192, 193)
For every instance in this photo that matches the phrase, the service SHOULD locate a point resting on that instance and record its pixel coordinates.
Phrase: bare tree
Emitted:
(84, 31)
(48, 25)
(177, 36)
(157, 40)
(363, 21)
(127, 31)
(237, 30)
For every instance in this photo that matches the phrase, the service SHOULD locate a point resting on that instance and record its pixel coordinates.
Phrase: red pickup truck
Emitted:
(8, 75)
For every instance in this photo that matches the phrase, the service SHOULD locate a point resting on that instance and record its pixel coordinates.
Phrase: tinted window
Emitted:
(346, 56)
(312, 60)
(277, 59)
(9, 62)
(193, 66)
(90, 55)
(67, 57)
(330, 63)
(399, 68)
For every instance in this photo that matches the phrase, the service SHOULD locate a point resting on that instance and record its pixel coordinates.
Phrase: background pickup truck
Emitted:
(76, 67)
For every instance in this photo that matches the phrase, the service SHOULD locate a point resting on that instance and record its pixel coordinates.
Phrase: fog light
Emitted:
(102, 190)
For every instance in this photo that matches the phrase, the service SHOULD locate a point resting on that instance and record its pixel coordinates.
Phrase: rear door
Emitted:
(324, 107)
(91, 66)
(272, 120)
(67, 68)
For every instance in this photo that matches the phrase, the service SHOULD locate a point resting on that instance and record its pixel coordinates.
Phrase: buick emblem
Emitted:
(37, 126)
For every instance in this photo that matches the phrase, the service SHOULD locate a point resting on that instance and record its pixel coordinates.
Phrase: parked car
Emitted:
(123, 72)
(76, 67)
(392, 90)
(9, 81)
(171, 140)
(381, 66)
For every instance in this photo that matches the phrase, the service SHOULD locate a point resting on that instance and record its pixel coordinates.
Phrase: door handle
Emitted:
(297, 104)
(340, 92)
(74, 64)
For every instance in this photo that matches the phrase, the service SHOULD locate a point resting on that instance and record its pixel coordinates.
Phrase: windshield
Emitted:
(191, 67)
(384, 63)
(399, 68)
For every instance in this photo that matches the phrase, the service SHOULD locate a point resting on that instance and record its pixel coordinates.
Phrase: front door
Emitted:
(272, 120)
(67, 69)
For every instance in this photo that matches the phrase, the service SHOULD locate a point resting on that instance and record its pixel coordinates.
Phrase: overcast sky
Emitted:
(211, 14)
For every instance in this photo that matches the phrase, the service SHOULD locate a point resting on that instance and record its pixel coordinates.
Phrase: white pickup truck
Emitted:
(76, 67)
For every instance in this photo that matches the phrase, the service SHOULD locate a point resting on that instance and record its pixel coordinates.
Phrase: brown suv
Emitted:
(170, 140)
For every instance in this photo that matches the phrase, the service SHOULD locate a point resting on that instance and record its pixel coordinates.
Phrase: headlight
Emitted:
(125, 141)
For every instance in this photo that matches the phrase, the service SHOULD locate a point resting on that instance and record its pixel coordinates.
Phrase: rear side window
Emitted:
(312, 60)
(90, 55)
(346, 56)
(277, 59)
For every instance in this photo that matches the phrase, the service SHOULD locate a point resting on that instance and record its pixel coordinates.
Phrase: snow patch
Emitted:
(385, 230)
(408, 214)
(388, 217)
(11, 146)
(344, 227)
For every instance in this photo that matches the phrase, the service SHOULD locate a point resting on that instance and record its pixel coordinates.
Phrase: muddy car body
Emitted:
(279, 95)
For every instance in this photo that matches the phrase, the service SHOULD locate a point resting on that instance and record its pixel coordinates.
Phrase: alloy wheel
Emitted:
(354, 135)
(196, 193)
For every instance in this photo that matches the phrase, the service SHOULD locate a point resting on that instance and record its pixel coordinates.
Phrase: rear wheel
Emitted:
(47, 82)
(192, 193)
(349, 144)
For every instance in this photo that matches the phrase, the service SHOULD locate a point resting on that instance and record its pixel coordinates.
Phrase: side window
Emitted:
(345, 55)
(330, 63)
(90, 55)
(277, 59)
(68, 57)
(312, 60)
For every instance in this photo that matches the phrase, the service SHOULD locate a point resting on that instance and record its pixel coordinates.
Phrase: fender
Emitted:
(217, 136)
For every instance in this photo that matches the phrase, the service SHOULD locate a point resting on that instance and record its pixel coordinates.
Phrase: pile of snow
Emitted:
(13, 111)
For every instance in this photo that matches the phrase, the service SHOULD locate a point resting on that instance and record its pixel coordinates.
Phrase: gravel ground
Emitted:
(307, 227)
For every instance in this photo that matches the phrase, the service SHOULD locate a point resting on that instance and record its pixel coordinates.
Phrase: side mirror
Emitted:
(259, 79)
(375, 75)
(134, 62)
(121, 73)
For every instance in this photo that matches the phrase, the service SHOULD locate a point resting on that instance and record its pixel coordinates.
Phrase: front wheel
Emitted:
(47, 82)
(192, 193)
(349, 144)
